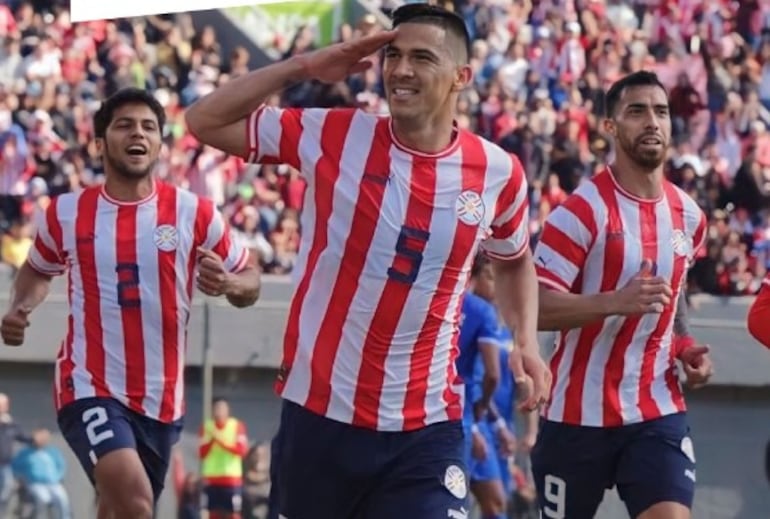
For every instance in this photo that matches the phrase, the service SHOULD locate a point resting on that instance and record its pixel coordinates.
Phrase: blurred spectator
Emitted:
(541, 68)
(40, 468)
(10, 433)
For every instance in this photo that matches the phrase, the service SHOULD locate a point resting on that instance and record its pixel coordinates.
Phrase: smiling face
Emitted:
(423, 73)
(641, 125)
(132, 141)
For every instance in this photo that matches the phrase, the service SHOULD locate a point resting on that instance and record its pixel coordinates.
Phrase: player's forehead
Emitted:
(134, 112)
(414, 36)
(643, 95)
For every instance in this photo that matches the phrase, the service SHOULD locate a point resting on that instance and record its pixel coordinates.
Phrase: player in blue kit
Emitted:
(478, 365)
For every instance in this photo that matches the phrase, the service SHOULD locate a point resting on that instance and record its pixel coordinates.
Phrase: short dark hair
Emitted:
(218, 399)
(481, 261)
(105, 113)
(635, 79)
(434, 15)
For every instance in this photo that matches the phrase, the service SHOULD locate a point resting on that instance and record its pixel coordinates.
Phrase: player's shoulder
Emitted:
(498, 161)
(689, 204)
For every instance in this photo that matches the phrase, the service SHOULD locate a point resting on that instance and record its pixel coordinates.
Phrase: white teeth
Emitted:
(404, 91)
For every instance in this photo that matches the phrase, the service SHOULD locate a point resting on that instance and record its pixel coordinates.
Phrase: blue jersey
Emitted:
(478, 324)
(505, 394)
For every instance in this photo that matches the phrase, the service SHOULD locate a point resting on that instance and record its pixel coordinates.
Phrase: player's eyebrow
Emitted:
(425, 52)
(657, 106)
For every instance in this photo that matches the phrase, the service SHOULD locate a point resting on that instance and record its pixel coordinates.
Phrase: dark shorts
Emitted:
(94, 427)
(650, 462)
(323, 469)
(222, 499)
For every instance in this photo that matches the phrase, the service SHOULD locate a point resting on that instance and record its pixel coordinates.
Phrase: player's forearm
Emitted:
(517, 297)
(566, 311)
(30, 288)
(238, 98)
(244, 287)
(681, 323)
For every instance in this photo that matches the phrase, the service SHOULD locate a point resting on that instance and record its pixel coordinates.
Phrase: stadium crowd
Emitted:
(540, 70)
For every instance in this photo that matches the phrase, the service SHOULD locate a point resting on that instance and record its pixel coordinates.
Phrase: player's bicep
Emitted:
(564, 244)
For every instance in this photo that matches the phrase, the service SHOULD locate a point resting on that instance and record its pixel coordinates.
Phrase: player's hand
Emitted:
(644, 294)
(13, 326)
(528, 364)
(697, 365)
(336, 62)
(527, 442)
(507, 441)
(478, 446)
(212, 276)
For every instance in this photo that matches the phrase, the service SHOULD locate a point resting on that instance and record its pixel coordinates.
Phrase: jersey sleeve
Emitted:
(567, 237)
(510, 228)
(489, 329)
(46, 254)
(274, 134)
(220, 238)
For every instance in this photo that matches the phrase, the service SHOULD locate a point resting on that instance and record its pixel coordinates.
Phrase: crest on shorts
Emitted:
(454, 481)
(166, 237)
(680, 243)
(687, 448)
(469, 207)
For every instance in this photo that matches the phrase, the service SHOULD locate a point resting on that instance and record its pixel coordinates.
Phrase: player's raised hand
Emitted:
(530, 370)
(13, 326)
(212, 276)
(336, 62)
(646, 293)
(697, 365)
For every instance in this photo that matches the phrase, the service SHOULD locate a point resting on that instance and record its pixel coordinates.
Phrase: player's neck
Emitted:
(646, 185)
(125, 190)
(426, 138)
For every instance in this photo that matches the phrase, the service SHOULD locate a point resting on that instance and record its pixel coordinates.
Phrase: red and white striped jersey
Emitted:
(388, 238)
(130, 280)
(620, 370)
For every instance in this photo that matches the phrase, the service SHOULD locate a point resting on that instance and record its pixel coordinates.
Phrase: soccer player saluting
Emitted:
(396, 209)
(612, 261)
(132, 249)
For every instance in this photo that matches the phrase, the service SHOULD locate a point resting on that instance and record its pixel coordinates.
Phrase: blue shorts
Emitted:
(487, 469)
(217, 498)
(649, 462)
(323, 469)
(94, 427)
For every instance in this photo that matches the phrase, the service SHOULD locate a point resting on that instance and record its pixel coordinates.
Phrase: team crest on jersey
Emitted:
(165, 237)
(470, 207)
(454, 481)
(680, 243)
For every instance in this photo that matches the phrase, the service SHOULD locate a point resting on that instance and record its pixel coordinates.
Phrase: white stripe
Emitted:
(562, 378)
(353, 160)
(151, 309)
(298, 380)
(186, 210)
(113, 341)
(269, 131)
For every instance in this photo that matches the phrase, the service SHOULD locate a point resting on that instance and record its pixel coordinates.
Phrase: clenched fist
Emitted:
(212, 276)
(13, 326)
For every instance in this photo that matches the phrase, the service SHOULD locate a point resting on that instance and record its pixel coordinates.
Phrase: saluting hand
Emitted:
(336, 62)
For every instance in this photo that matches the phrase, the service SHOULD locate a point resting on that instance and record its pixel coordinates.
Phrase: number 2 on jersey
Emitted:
(411, 242)
(128, 285)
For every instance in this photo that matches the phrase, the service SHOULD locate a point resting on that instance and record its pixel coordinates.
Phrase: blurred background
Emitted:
(540, 71)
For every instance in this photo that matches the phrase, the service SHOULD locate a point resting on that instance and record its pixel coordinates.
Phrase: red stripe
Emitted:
(545, 274)
(365, 217)
(647, 405)
(85, 224)
(333, 136)
(130, 313)
(64, 358)
(167, 210)
(554, 365)
(680, 266)
(614, 252)
(584, 212)
(473, 172)
(291, 129)
(563, 244)
(419, 211)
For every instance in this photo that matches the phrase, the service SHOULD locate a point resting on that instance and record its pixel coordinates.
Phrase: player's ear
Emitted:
(463, 78)
(99, 142)
(610, 127)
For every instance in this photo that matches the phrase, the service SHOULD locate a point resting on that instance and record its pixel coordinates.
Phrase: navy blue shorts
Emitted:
(323, 469)
(648, 462)
(222, 499)
(94, 427)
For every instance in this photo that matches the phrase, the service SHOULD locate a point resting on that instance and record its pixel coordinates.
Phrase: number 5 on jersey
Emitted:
(406, 264)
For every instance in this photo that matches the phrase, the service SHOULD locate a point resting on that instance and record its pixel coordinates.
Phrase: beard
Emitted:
(648, 159)
(128, 171)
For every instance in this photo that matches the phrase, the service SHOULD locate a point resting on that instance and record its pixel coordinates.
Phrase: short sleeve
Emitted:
(46, 254)
(221, 239)
(510, 228)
